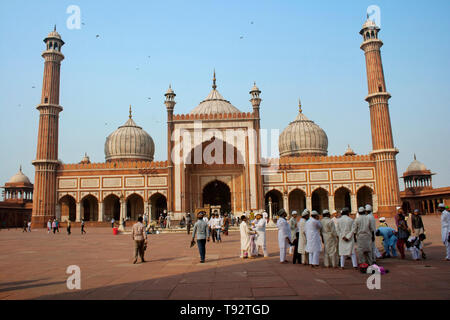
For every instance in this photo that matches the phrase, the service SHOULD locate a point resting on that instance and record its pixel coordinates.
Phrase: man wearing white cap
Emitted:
(346, 238)
(382, 221)
(294, 230)
(330, 240)
(445, 228)
(260, 227)
(313, 229)
(284, 235)
(365, 235)
(302, 237)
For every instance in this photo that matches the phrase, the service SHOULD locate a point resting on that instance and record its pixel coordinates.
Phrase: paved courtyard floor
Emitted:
(33, 266)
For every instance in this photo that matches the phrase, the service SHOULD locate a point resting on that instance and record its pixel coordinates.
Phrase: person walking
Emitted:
(29, 226)
(49, 226)
(82, 227)
(139, 237)
(57, 225)
(246, 240)
(69, 227)
(54, 226)
(226, 224)
(445, 228)
(25, 226)
(218, 227)
(188, 222)
(284, 235)
(168, 220)
(112, 222)
(330, 240)
(201, 230)
(313, 229)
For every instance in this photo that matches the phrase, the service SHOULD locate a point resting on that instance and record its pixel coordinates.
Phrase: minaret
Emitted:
(46, 163)
(383, 149)
(170, 105)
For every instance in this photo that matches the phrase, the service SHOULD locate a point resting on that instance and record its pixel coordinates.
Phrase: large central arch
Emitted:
(217, 193)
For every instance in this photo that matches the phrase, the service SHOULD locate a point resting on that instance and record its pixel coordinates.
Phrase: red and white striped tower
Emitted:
(46, 163)
(383, 149)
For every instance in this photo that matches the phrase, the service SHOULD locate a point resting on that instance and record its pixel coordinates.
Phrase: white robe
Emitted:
(445, 226)
(260, 228)
(363, 229)
(344, 230)
(313, 228)
(283, 232)
(301, 236)
(245, 236)
(329, 236)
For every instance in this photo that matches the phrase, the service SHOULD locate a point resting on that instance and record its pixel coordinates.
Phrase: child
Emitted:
(415, 245)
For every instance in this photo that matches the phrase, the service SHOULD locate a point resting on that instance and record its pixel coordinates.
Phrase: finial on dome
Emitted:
(299, 106)
(54, 29)
(130, 112)
(20, 168)
(415, 156)
(214, 86)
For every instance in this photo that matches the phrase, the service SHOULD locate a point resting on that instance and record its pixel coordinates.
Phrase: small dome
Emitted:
(349, 152)
(416, 166)
(19, 177)
(303, 138)
(215, 103)
(129, 142)
(86, 159)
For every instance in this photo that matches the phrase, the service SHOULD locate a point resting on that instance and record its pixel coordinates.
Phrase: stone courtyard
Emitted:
(33, 266)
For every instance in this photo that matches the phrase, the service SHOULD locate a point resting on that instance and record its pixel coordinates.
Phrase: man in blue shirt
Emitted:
(389, 240)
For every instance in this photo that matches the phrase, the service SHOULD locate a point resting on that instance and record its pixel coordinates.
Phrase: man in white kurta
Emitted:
(346, 239)
(445, 228)
(330, 240)
(284, 235)
(302, 237)
(293, 227)
(260, 227)
(313, 229)
(365, 233)
(375, 252)
(245, 238)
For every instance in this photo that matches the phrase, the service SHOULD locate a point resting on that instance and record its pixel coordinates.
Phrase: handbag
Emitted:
(192, 244)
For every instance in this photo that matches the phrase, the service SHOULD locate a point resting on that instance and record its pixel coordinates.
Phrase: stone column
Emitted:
(286, 204)
(331, 206)
(309, 203)
(78, 212)
(354, 204)
(101, 212)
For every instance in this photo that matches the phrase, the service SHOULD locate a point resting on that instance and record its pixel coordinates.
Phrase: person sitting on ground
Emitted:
(415, 245)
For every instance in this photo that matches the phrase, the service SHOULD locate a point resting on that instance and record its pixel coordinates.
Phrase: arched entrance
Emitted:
(342, 199)
(297, 200)
(68, 208)
(158, 203)
(112, 207)
(319, 200)
(276, 198)
(364, 196)
(135, 207)
(217, 193)
(89, 205)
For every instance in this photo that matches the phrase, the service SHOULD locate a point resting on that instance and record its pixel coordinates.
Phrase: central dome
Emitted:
(129, 142)
(303, 138)
(215, 103)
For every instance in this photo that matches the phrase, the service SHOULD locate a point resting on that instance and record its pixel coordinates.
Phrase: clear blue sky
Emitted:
(307, 49)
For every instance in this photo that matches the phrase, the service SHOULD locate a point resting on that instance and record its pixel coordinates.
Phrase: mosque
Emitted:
(130, 183)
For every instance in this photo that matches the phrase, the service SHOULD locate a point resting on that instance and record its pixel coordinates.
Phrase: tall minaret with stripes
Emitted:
(383, 150)
(46, 163)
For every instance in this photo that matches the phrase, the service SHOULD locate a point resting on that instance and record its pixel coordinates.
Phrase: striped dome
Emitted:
(129, 142)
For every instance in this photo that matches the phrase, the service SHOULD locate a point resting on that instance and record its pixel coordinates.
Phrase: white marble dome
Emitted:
(19, 177)
(303, 138)
(215, 103)
(416, 166)
(129, 142)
